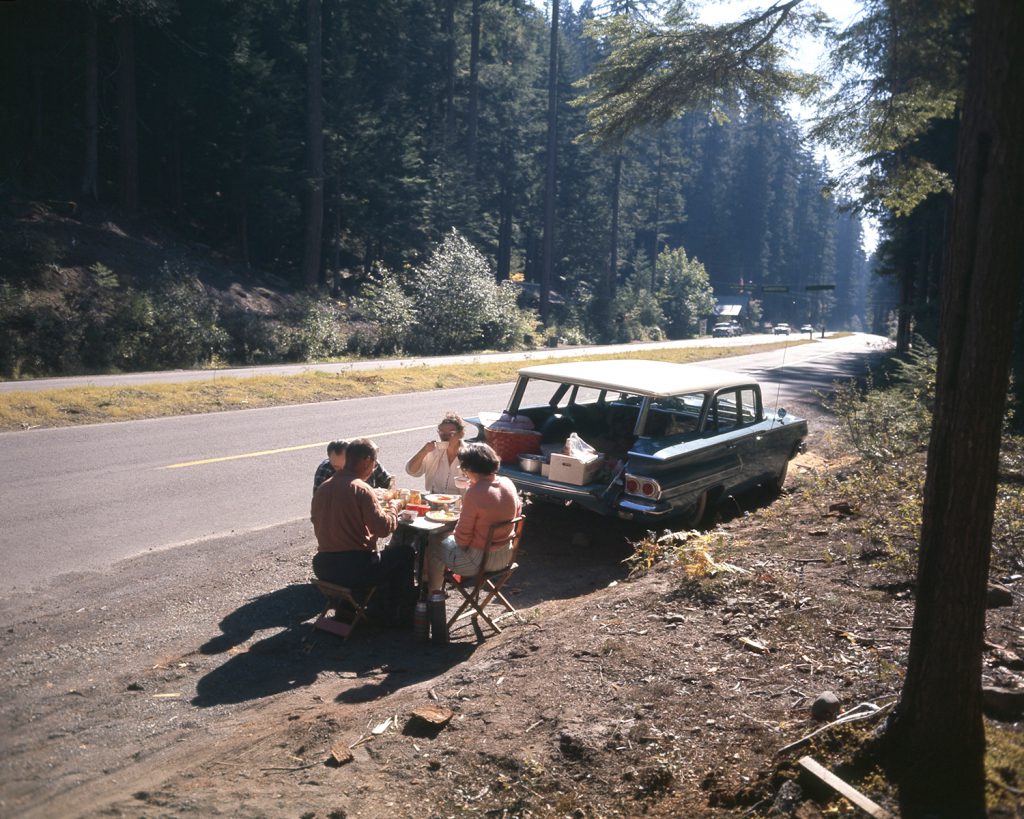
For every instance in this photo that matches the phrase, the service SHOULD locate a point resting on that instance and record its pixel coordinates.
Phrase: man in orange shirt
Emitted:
(348, 519)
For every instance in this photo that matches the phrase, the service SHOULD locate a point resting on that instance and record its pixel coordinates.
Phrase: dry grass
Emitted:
(90, 405)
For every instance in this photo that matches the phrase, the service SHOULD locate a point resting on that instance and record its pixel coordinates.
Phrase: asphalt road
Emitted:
(183, 376)
(80, 499)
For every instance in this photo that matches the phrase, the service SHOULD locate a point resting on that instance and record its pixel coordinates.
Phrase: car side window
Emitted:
(748, 406)
(724, 412)
(674, 415)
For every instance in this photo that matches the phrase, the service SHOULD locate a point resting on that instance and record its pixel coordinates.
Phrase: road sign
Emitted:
(774, 288)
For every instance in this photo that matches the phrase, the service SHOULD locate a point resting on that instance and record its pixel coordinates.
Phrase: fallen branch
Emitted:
(299, 768)
(866, 710)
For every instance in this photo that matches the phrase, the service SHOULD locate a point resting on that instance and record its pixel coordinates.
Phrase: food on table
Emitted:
(442, 516)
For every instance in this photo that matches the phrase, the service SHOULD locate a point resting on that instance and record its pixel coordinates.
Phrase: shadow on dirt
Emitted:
(297, 655)
(565, 553)
(278, 609)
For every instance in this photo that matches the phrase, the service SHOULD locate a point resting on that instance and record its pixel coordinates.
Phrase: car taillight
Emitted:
(645, 487)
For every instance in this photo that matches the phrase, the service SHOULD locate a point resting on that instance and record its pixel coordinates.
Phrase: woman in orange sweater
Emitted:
(490, 499)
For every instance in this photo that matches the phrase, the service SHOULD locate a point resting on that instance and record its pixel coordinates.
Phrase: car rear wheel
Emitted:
(693, 517)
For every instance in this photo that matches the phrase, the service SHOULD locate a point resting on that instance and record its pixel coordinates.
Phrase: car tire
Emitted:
(692, 518)
(780, 479)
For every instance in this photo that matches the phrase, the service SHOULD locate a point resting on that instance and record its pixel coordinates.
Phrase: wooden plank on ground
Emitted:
(872, 809)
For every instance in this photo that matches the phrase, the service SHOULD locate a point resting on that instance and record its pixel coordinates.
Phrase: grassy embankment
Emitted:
(76, 406)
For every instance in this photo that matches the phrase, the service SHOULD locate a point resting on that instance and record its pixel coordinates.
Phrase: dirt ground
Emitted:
(191, 682)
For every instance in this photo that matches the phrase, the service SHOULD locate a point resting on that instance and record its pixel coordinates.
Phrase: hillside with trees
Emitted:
(326, 150)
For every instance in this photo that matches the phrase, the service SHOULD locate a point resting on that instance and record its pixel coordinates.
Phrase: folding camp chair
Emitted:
(342, 600)
(484, 588)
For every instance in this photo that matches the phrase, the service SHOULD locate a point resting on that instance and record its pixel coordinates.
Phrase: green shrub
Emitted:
(1008, 524)
(26, 255)
(52, 340)
(887, 423)
(253, 338)
(12, 329)
(508, 324)
(318, 333)
(364, 339)
(639, 313)
(385, 306)
(186, 331)
(117, 324)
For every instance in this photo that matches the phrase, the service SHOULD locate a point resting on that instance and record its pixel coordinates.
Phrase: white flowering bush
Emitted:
(685, 293)
(459, 306)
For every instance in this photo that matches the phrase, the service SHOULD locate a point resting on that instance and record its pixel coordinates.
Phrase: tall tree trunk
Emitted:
(127, 116)
(937, 730)
(505, 217)
(242, 206)
(552, 164)
(336, 240)
(474, 87)
(313, 245)
(449, 91)
(175, 161)
(905, 310)
(612, 277)
(657, 217)
(90, 166)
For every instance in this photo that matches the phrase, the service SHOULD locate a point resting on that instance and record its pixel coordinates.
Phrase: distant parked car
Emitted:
(781, 329)
(667, 441)
(726, 329)
(807, 328)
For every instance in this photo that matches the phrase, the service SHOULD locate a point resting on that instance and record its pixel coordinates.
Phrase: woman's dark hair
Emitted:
(359, 449)
(479, 458)
(337, 447)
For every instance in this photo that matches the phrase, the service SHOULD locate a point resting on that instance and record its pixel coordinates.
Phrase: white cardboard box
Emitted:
(567, 469)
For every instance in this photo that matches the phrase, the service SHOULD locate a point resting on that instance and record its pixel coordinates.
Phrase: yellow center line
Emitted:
(286, 449)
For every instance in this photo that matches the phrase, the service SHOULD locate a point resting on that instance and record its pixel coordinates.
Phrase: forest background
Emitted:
(166, 206)
(389, 155)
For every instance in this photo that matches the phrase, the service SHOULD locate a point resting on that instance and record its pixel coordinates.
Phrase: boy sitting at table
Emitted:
(335, 460)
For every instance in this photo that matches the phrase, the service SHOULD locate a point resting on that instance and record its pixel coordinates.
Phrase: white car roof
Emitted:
(639, 377)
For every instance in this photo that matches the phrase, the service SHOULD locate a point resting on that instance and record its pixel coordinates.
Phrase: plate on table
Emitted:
(441, 500)
(442, 516)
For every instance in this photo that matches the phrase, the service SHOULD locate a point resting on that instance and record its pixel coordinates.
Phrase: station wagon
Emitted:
(671, 440)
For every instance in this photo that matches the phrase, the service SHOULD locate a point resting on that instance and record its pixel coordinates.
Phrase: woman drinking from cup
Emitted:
(438, 461)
